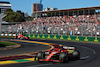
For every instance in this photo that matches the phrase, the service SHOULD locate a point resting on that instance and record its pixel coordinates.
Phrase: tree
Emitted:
(28, 18)
(13, 16)
(8, 10)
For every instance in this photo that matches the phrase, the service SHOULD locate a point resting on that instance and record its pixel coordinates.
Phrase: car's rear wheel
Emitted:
(76, 55)
(63, 57)
(27, 37)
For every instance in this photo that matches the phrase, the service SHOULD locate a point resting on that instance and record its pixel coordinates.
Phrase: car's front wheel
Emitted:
(40, 55)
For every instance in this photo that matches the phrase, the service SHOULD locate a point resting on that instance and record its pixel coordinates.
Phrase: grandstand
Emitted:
(69, 12)
(86, 23)
(4, 6)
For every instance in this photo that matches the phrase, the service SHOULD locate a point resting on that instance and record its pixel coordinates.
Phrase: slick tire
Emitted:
(76, 55)
(40, 55)
(63, 57)
(28, 37)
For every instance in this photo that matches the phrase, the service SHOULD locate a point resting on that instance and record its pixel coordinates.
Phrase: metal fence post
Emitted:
(41, 27)
(0, 25)
(36, 27)
(73, 30)
(99, 30)
(2, 15)
(65, 29)
(82, 29)
(52, 28)
(91, 29)
(58, 27)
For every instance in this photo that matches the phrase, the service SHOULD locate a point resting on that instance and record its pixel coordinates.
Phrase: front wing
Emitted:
(44, 60)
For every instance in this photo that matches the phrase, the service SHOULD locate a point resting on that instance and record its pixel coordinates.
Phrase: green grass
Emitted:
(4, 43)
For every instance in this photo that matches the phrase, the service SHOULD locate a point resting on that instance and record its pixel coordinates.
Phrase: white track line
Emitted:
(88, 49)
(85, 57)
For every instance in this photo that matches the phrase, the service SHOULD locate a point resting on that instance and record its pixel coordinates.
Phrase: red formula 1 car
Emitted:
(59, 54)
(21, 37)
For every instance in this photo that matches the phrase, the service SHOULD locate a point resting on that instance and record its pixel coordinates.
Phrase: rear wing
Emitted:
(70, 48)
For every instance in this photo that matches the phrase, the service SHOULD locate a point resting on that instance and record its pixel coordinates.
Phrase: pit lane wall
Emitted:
(62, 37)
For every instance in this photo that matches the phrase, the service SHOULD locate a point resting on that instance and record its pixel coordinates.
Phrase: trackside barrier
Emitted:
(61, 37)
(10, 34)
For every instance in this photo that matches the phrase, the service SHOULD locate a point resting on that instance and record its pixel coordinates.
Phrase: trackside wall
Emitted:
(61, 37)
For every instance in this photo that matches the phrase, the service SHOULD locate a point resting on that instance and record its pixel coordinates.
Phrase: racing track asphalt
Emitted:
(23, 49)
(90, 56)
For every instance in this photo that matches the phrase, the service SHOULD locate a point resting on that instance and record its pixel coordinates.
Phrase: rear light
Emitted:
(75, 48)
(47, 59)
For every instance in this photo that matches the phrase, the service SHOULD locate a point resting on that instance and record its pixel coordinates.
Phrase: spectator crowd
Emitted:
(83, 25)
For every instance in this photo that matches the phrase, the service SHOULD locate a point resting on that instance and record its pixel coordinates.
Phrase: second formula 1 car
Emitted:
(21, 37)
(59, 54)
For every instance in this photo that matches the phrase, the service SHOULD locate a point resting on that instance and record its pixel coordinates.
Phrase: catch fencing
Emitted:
(58, 28)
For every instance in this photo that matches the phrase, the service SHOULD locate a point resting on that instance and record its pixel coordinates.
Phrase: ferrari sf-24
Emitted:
(59, 54)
